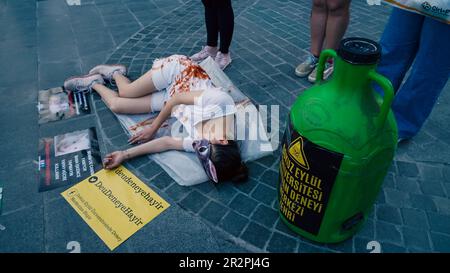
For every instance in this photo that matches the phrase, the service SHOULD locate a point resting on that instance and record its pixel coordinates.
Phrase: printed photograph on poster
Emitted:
(71, 143)
(58, 104)
(68, 158)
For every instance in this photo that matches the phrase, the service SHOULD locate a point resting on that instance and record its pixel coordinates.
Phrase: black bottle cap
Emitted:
(359, 50)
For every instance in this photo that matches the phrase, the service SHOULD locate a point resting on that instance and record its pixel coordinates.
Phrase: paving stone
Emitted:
(441, 242)
(361, 244)
(223, 192)
(389, 181)
(269, 161)
(107, 118)
(407, 169)
(442, 204)
(392, 248)
(248, 186)
(368, 229)
(256, 234)
(233, 223)
(389, 214)
(270, 178)
(439, 223)
(194, 202)
(120, 140)
(19, 191)
(446, 174)
(311, 248)
(264, 194)
(389, 233)
(150, 170)
(113, 131)
(23, 230)
(162, 181)
(407, 184)
(447, 189)
(177, 192)
(423, 202)
(431, 172)
(213, 212)
(265, 216)
(243, 204)
(381, 199)
(415, 218)
(432, 187)
(397, 198)
(281, 244)
(204, 187)
(282, 227)
(416, 239)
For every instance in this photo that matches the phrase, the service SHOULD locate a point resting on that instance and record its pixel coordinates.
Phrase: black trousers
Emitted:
(219, 18)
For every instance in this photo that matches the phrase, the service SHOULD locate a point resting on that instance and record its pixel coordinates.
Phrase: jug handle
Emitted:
(326, 54)
(388, 97)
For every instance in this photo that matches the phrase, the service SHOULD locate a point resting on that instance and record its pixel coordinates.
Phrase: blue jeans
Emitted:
(420, 41)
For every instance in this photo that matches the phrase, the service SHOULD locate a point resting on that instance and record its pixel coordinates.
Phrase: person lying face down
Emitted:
(178, 87)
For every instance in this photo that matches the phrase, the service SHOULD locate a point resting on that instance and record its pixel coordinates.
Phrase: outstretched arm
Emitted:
(147, 133)
(162, 144)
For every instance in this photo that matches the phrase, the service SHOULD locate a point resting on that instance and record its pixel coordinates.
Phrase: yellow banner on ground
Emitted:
(115, 204)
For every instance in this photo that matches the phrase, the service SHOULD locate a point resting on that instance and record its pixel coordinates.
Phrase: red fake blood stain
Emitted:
(192, 72)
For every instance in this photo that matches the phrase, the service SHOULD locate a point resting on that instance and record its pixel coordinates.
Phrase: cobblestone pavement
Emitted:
(412, 213)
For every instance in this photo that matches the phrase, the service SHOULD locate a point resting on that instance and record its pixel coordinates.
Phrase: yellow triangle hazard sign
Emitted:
(296, 152)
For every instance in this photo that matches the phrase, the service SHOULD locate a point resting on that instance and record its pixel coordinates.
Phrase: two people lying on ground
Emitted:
(175, 86)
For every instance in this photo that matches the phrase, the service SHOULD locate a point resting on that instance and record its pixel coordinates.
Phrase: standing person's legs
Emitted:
(226, 24)
(318, 25)
(212, 24)
(429, 74)
(399, 44)
(212, 32)
(337, 22)
(225, 17)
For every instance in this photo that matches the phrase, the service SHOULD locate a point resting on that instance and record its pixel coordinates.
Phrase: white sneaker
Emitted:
(107, 70)
(327, 71)
(83, 83)
(308, 65)
(223, 60)
(207, 51)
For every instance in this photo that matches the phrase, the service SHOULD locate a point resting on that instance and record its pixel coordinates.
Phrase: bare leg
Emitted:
(337, 22)
(121, 105)
(318, 25)
(139, 88)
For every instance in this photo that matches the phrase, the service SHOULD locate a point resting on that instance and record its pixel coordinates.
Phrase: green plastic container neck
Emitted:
(353, 77)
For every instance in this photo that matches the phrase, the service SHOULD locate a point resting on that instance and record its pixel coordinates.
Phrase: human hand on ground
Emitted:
(142, 136)
(113, 160)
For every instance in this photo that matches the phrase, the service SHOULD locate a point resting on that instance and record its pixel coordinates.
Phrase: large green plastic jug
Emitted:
(338, 146)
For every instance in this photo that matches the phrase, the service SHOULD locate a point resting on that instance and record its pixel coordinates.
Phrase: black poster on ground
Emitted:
(307, 175)
(68, 158)
(57, 104)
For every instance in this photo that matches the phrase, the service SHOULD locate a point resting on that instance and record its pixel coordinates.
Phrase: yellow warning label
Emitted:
(297, 153)
(115, 204)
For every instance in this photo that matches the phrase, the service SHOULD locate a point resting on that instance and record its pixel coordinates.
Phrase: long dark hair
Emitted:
(228, 162)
